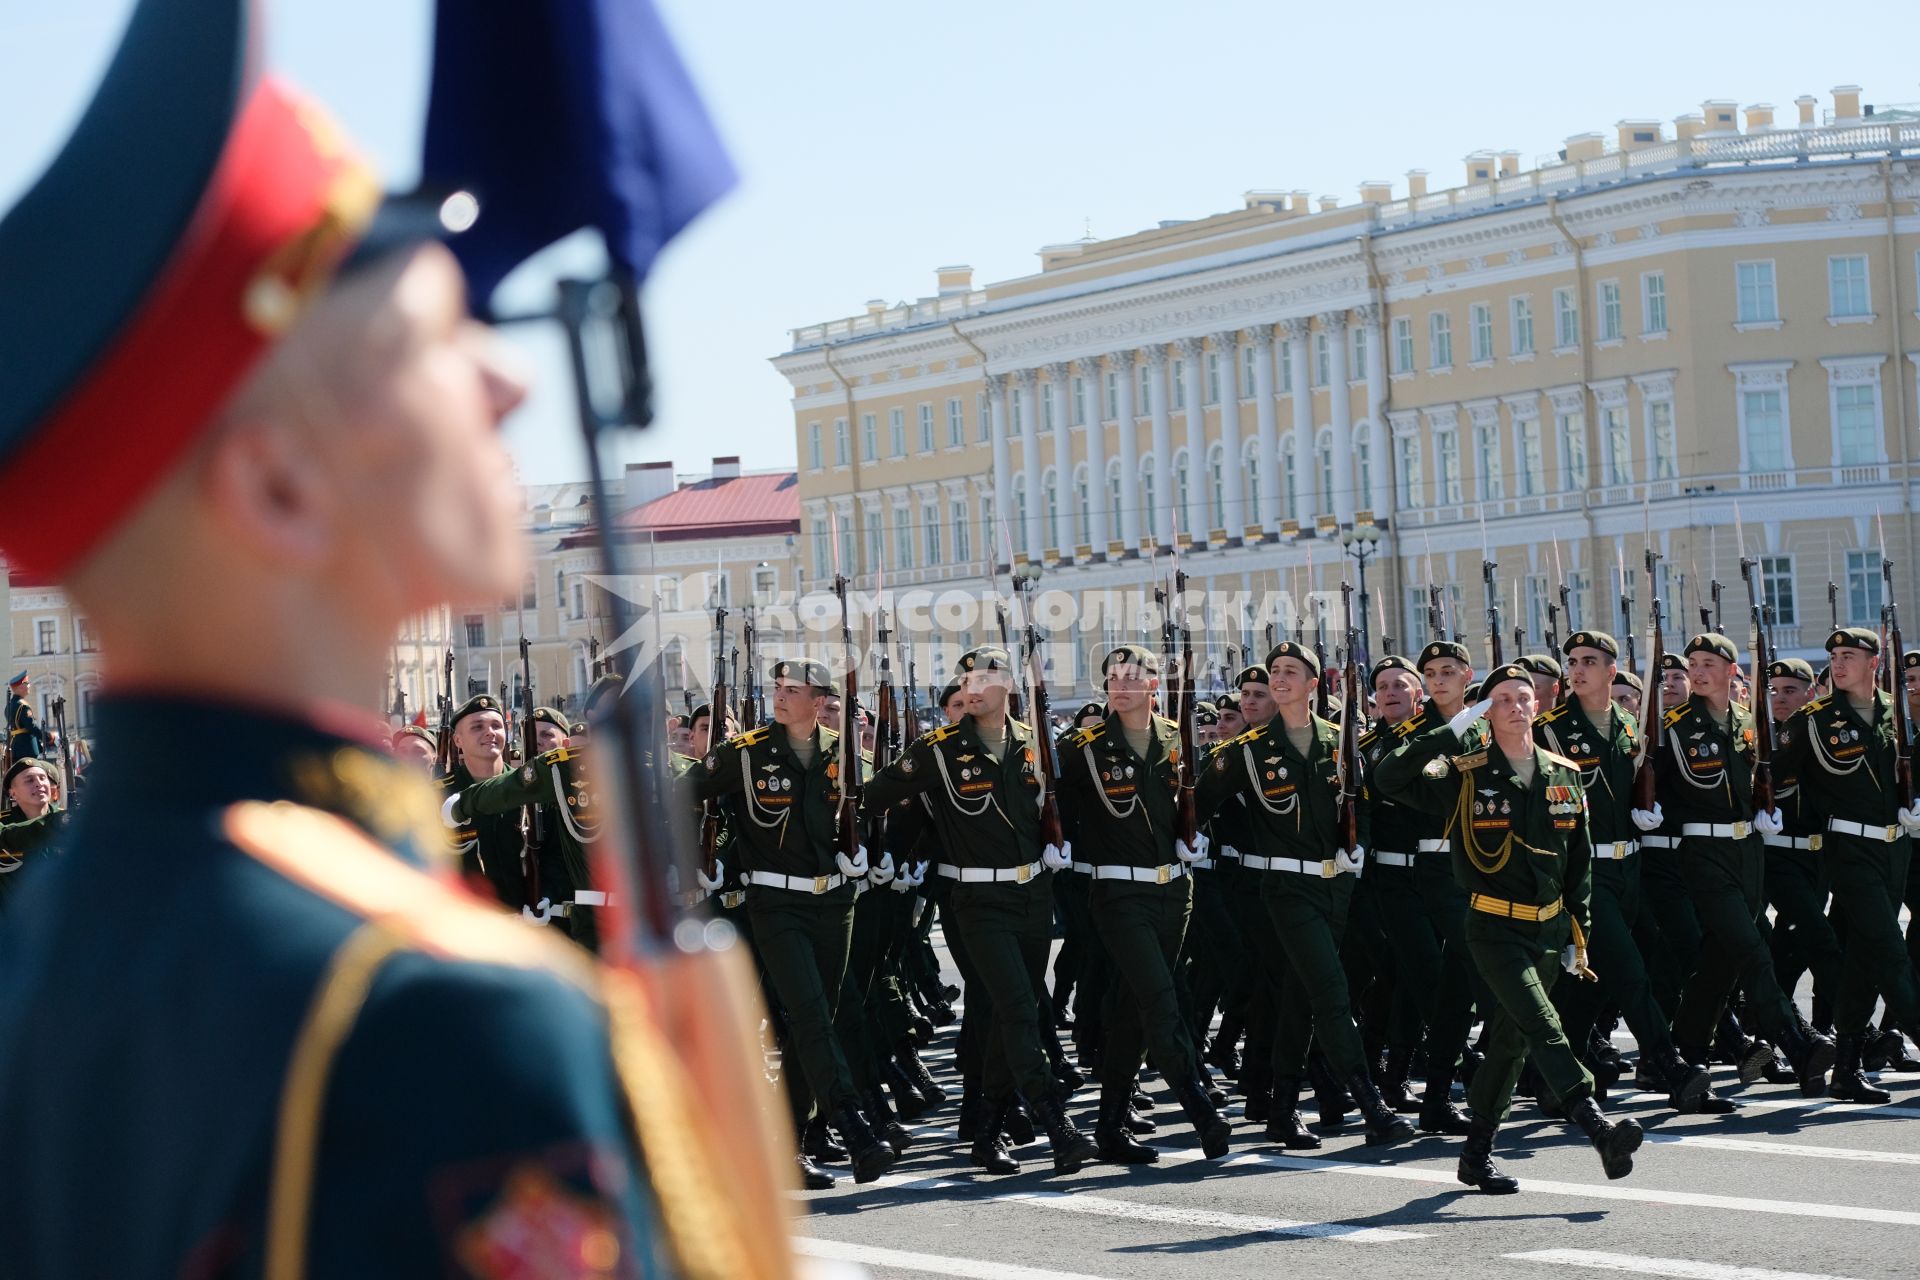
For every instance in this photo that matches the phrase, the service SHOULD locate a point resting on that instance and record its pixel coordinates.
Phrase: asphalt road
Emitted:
(1785, 1188)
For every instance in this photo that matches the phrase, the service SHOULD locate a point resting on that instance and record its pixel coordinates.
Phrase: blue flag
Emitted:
(564, 114)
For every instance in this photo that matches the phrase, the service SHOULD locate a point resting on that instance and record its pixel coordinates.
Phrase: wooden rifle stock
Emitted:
(848, 818)
(716, 728)
(1048, 760)
(1762, 708)
(1186, 822)
(1652, 710)
(1902, 753)
(1347, 823)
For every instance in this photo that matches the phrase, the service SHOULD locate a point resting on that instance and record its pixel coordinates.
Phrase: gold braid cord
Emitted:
(1463, 815)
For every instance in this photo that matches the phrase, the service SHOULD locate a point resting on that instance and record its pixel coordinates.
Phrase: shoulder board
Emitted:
(1820, 703)
(1252, 735)
(1674, 716)
(1548, 717)
(1472, 760)
(1370, 737)
(1164, 722)
(1092, 733)
(1412, 724)
(1560, 760)
(751, 736)
(560, 755)
(941, 734)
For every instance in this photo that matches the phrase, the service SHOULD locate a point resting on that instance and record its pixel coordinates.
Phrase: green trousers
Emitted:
(1268, 970)
(1217, 956)
(1008, 929)
(1142, 926)
(1797, 888)
(1455, 989)
(802, 940)
(1669, 909)
(1093, 972)
(1726, 882)
(1520, 960)
(1415, 944)
(1869, 881)
(1615, 956)
(1310, 916)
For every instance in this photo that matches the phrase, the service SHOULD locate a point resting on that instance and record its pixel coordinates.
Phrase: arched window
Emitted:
(1082, 507)
(1148, 498)
(1363, 465)
(1289, 482)
(1250, 465)
(1325, 451)
(1217, 486)
(1113, 500)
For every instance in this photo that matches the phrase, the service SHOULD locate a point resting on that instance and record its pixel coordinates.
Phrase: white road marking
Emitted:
(1812, 1106)
(930, 1263)
(1660, 1266)
(1756, 1147)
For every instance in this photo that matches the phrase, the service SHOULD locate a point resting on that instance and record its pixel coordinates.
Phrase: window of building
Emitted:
(1533, 462)
(1248, 354)
(1144, 394)
(476, 631)
(1148, 497)
(1403, 344)
(1113, 394)
(1653, 302)
(1537, 598)
(847, 563)
(1480, 323)
(1566, 320)
(1666, 451)
(1357, 349)
(1577, 601)
(1213, 377)
(1183, 498)
(1764, 423)
(962, 532)
(1079, 402)
(1847, 286)
(1863, 588)
(876, 540)
(956, 424)
(1573, 450)
(719, 591)
(1217, 486)
(1016, 407)
(983, 411)
(897, 432)
(1290, 482)
(813, 446)
(83, 637)
(1047, 397)
(1610, 311)
(1362, 465)
(1522, 320)
(1415, 621)
(1286, 364)
(870, 439)
(902, 538)
(1757, 303)
(1446, 453)
(1856, 423)
(1322, 358)
(822, 558)
(1776, 589)
(839, 442)
(926, 428)
(1251, 466)
(1619, 446)
(1113, 499)
(1486, 443)
(930, 538)
(1050, 487)
(765, 582)
(1325, 452)
(1179, 391)
(1082, 509)
(1439, 341)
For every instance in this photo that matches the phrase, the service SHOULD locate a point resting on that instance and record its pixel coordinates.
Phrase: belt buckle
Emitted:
(820, 884)
(1023, 874)
(1327, 869)
(1814, 842)
(1161, 872)
(1893, 832)
(1741, 831)
(1619, 850)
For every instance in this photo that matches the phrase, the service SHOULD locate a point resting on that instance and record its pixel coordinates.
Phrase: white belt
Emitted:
(990, 875)
(1083, 868)
(798, 884)
(1433, 846)
(1809, 843)
(1203, 864)
(1387, 859)
(589, 898)
(1657, 842)
(1886, 835)
(1141, 875)
(733, 898)
(1324, 870)
(1617, 850)
(1726, 830)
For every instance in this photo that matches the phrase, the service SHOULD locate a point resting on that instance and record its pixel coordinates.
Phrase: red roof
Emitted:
(736, 506)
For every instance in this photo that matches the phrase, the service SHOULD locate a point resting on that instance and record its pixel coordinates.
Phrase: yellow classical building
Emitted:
(1655, 334)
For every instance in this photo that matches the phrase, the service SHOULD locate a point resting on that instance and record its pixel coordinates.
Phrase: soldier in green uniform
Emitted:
(982, 786)
(784, 779)
(1627, 693)
(489, 844)
(1601, 741)
(1706, 785)
(1843, 747)
(29, 819)
(1675, 931)
(25, 739)
(1548, 679)
(1522, 854)
(1118, 784)
(1796, 880)
(1263, 960)
(1216, 952)
(1287, 771)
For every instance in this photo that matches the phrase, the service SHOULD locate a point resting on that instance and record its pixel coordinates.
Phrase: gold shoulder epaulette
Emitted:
(1412, 724)
(941, 734)
(1370, 737)
(1549, 716)
(1817, 704)
(751, 736)
(1472, 760)
(1092, 733)
(1249, 736)
(1560, 760)
(560, 755)
(1674, 716)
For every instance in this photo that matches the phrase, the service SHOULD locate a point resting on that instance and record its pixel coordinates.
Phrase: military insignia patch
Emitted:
(906, 764)
(539, 1229)
(712, 762)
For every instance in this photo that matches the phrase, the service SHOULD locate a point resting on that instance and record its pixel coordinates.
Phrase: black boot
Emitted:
(1383, 1127)
(1139, 1121)
(1476, 1167)
(1205, 1119)
(907, 1058)
(1437, 1112)
(1258, 1108)
(1812, 1056)
(1071, 1148)
(1616, 1141)
(1690, 1088)
(1204, 1078)
(1285, 1126)
(885, 1123)
(989, 1150)
(1225, 1052)
(812, 1176)
(1017, 1124)
(1068, 1080)
(1894, 1046)
(1329, 1098)
(1396, 1081)
(816, 1142)
(1850, 1083)
(872, 1155)
(906, 1099)
(1112, 1135)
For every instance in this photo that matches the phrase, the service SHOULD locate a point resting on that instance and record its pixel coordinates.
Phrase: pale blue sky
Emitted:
(878, 140)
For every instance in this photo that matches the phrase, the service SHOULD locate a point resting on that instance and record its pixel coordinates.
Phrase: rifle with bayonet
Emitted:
(1322, 694)
(533, 824)
(443, 748)
(847, 817)
(70, 784)
(1347, 763)
(1626, 614)
(1652, 713)
(716, 722)
(752, 712)
(1902, 755)
(886, 727)
(1051, 832)
(1492, 589)
(1762, 705)
(1186, 825)
(1833, 605)
(1006, 643)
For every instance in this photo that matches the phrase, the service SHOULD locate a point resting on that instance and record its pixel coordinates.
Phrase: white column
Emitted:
(1234, 500)
(1002, 469)
(1198, 511)
(1162, 441)
(1036, 531)
(1340, 415)
(1299, 333)
(1128, 516)
(1265, 423)
(1088, 368)
(1379, 441)
(1059, 389)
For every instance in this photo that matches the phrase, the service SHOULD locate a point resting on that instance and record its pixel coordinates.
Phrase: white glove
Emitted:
(447, 811)
(719, 877)
(883, 873)
(903, 881)
(920, 873)
(1768, 822)
(1649, 822)
(1574, 960)
(855, 868)
(1351, 863)
(539, 915)
(1910, 819)
(1193, 854)
(1463, 720)
(1057, 857)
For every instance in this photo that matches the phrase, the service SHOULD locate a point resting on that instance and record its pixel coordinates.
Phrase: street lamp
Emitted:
(1361, 540)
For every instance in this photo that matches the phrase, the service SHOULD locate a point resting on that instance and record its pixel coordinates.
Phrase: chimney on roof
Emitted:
(954, 280)
(646, 481)
(1509, 163)
(727, 468)
(1806, 102)
(1375, 191)
(1479, 168)
(1722, 115)
(1635, 134)
(1846, 103)
(1689, 126)
(1416, 183)
(1329, 203)
(1759, 117)
(1302, 202)
(542, 516)
(1585, 146)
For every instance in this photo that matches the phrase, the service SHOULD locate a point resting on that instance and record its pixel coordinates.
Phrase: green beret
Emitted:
(1854, 638)
(1591, 640)
(1473, 692)
(1132, 655)
(1444, 649)
(1205, 713)
(1227, 702)
(803, 671)
(1392, 662)
(413, 731)
(1252, 675)
(1090, 709)
(548, 715)
(1298, 652)
(607, 686)
(1671, 661)
(477, 703)
(1790, 669)
(1714, 643)
(23, 764)
(1911, 660)
(946, 694)
(986, 658)
(1630, 680)
(1500, 675)
(704, 710)
(1541, 665)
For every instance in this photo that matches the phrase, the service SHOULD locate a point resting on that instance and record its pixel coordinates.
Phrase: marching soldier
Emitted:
(1843, 746)
(1254, 1011)
(1796, 866)
(489, 844)
(414, 745)
(1676, 942)
(784, 780)
(1706, 785)
(1118, 786)
(25, 738)
(1286, 770)
(29, 819)
(1522, 854)
(983, 791)
(1627, 693)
